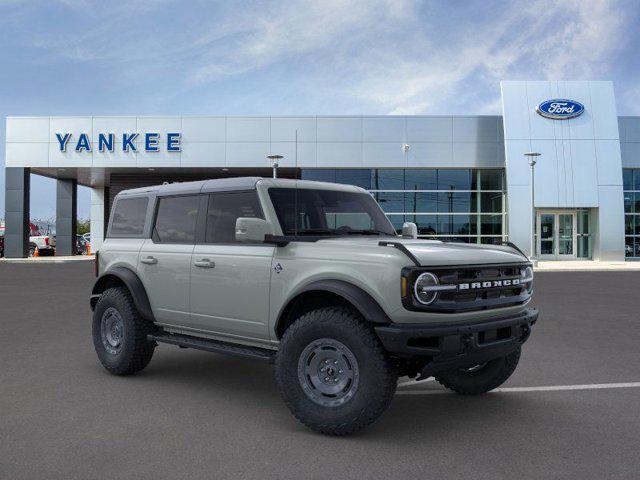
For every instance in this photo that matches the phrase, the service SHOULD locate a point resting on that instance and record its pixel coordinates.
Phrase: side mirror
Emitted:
(409, 230)
(251, 229)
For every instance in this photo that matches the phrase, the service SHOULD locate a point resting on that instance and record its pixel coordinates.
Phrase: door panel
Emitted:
(164, 270)
(165, 259)
(230, 289)
(230, 279)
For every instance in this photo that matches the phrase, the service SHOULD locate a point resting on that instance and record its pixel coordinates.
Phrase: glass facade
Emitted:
(465, 205)
(631, 182)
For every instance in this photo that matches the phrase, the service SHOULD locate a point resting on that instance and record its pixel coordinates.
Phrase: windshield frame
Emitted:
(381, 225)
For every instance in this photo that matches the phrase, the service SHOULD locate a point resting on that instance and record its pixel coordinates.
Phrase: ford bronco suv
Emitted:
(312, 277)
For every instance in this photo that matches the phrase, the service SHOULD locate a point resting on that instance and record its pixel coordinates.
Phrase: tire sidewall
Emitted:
(370, 367)
(114, 298)
(489, 377)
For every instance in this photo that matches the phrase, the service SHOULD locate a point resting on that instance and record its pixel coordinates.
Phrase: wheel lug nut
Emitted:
(335, 362)
(340, 371)
(326, 379)
(322, 369)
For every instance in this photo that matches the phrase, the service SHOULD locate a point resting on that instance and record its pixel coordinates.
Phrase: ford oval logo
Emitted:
(560, 109)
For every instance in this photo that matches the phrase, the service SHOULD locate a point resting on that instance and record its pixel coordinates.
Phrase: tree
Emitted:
(84, 226)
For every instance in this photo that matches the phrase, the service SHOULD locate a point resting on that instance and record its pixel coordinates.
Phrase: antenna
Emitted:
(295, 194)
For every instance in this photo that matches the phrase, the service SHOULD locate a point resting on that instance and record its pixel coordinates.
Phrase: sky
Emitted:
(148, 57)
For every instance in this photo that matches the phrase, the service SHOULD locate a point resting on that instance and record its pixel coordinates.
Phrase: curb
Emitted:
(48, 260)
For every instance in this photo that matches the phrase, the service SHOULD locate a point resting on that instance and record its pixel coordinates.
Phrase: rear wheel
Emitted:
(333, 373)
(481, 378)
(120, 333)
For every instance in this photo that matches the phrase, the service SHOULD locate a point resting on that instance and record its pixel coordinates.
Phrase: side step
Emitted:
(210, 345)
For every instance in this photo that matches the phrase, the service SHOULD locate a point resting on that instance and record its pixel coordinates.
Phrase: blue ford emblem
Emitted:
(560, 109)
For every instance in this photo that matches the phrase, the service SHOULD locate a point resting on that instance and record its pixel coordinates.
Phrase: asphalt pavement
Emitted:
(194, 414)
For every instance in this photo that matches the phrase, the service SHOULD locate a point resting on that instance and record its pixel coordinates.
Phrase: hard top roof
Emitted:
(231, 184)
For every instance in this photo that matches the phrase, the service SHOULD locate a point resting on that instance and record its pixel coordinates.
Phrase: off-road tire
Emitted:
(377, 376)
(135, 351)
(483, 380)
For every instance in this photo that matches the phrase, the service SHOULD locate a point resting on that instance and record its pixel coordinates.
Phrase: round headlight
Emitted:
(526, 275)
(422, 288)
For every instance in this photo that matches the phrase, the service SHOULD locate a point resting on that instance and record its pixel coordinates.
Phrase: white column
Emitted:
(97, 218)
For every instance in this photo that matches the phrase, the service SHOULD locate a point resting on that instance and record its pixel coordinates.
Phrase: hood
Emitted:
(435, 252)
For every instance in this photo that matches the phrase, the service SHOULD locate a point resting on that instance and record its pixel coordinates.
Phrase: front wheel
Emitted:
(480, 378)
(333, 373)
(120, 333)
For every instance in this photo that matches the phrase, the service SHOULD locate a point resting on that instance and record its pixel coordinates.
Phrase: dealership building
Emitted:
(459, 178)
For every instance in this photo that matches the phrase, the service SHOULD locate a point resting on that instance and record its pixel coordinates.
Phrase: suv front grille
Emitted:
(473, 287)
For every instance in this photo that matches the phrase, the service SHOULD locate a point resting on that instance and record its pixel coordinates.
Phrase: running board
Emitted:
(210, 345)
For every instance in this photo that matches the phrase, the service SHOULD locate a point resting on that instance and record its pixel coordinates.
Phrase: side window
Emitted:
(128, 217)
(176, 219)
(224, 209)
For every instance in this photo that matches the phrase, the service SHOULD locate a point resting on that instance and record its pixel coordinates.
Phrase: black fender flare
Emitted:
(132, 282)
(366, 305)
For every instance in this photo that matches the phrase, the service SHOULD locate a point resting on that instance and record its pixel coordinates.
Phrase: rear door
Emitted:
(229, 279)
(164, 264)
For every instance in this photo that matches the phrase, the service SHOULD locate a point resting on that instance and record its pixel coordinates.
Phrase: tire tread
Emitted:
(139, 355)
(352, 324)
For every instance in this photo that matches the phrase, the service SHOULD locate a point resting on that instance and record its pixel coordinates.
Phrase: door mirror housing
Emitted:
(409, 230)
(251, 230)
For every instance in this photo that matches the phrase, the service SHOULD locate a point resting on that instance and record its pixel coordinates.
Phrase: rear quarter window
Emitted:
(129, 216)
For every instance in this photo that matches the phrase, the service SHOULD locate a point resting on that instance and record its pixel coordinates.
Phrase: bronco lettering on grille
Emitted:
(509, 282)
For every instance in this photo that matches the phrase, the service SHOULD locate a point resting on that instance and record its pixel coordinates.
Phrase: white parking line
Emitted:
(550, 388)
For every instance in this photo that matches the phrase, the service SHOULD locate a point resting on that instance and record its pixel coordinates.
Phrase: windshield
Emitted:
(328, 212)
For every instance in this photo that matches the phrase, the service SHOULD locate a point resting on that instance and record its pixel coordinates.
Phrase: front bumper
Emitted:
(446, 346)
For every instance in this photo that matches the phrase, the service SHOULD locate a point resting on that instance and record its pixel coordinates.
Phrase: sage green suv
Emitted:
(312, 277)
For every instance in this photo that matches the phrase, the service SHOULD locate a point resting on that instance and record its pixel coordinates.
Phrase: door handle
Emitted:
(204, 263)
(149, 260)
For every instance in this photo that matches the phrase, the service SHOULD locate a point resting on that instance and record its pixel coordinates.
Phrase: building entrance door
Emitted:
(556, 233)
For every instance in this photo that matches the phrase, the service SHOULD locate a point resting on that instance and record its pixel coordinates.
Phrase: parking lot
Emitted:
(193, 414)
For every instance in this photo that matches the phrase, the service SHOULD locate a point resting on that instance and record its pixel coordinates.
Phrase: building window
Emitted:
(465, 205)
(631, 182)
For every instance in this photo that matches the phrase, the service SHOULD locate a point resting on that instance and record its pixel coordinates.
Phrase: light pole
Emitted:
(274, 163)
(531, 156)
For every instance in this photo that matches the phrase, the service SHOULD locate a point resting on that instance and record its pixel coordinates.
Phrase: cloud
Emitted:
(538, 40)
(390, 56)
(293, 30)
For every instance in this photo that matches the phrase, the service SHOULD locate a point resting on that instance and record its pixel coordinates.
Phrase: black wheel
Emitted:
(120, 334)
(333, 372)
(480, 378)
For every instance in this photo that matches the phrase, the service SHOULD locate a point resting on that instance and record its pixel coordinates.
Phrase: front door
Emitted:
(230, 280)
(556, 235)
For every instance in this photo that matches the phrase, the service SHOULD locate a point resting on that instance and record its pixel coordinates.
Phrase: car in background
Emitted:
(45, 244)
(81, 245)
